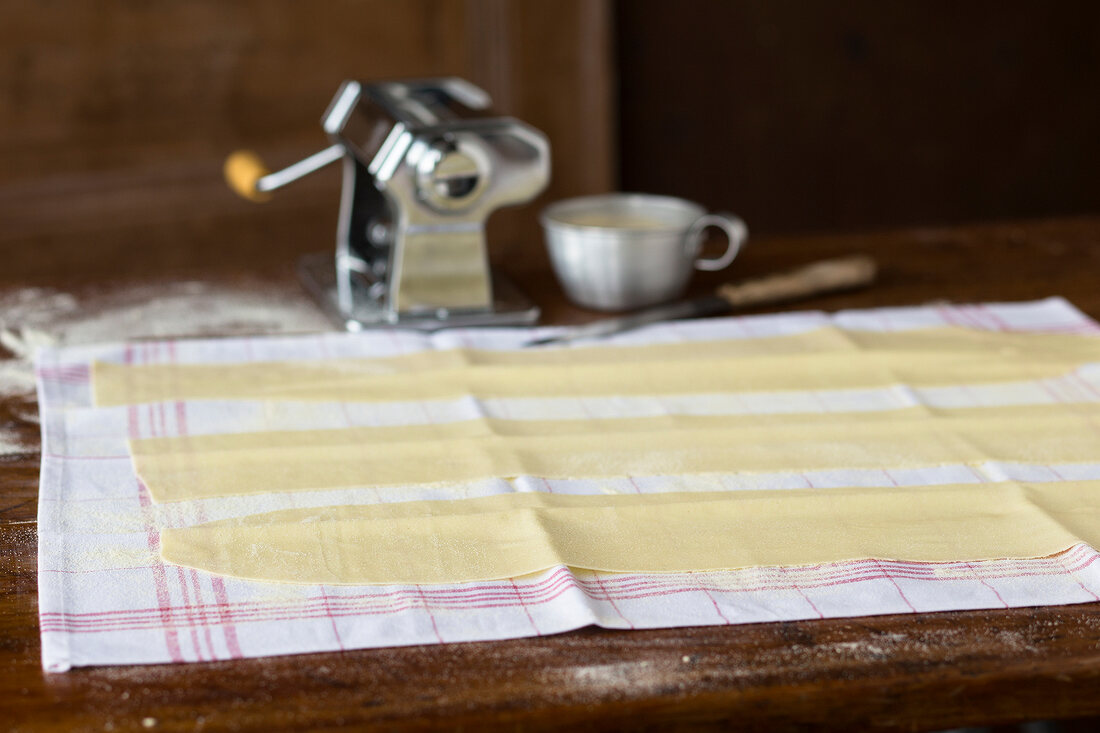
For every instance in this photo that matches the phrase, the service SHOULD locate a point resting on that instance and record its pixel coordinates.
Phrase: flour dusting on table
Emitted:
(34, 317)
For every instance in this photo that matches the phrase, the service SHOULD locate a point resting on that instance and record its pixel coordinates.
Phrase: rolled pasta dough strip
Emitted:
(179, 469)
(515, 534)
(825, 359)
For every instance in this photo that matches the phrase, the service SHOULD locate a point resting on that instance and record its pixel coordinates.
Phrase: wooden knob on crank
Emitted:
(243, 169)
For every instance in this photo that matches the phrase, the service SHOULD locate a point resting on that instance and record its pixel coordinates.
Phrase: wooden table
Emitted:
(900, 672)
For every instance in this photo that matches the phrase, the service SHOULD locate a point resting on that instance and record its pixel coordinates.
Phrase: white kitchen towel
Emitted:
(106, 597)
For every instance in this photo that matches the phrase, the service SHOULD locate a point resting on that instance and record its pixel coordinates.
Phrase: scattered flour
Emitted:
(34, 317)
(10, 447)
(16, 377)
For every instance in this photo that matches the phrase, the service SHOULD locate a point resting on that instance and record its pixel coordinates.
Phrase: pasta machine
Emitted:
(424, 167)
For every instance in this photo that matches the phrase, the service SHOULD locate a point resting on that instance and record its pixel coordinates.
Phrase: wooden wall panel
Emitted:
(855, 114)
(90, 86)
(122, 110)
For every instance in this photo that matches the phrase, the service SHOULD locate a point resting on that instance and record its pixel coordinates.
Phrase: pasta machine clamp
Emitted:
(424, 167)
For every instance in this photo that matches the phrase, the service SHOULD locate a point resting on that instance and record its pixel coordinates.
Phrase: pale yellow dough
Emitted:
(829, 358)
(515, 534)
(177, 469)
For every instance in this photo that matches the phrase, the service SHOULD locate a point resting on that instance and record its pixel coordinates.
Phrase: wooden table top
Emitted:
(895, 672)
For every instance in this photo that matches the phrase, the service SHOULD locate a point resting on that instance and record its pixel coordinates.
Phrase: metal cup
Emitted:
(627, 250)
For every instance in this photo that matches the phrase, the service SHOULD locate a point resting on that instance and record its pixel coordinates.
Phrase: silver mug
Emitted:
(627, 250)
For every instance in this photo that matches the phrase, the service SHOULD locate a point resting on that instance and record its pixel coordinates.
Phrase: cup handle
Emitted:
(735, 230)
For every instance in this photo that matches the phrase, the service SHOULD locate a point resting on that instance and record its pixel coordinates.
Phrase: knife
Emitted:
(827, 276)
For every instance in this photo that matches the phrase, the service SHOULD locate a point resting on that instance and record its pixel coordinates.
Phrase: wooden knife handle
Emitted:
(827, 276)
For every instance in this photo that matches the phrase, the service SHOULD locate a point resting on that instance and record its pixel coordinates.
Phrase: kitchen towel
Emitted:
(107, 598)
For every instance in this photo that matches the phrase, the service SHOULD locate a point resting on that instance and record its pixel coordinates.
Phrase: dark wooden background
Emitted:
(800, 116)
(125, 110)
(812, 115)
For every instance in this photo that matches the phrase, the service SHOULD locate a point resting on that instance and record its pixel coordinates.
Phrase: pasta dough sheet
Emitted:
(177, 469)
(514, 534)
(828, 358)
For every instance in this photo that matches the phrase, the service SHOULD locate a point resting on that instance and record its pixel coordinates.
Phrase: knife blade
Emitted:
(828, 276)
